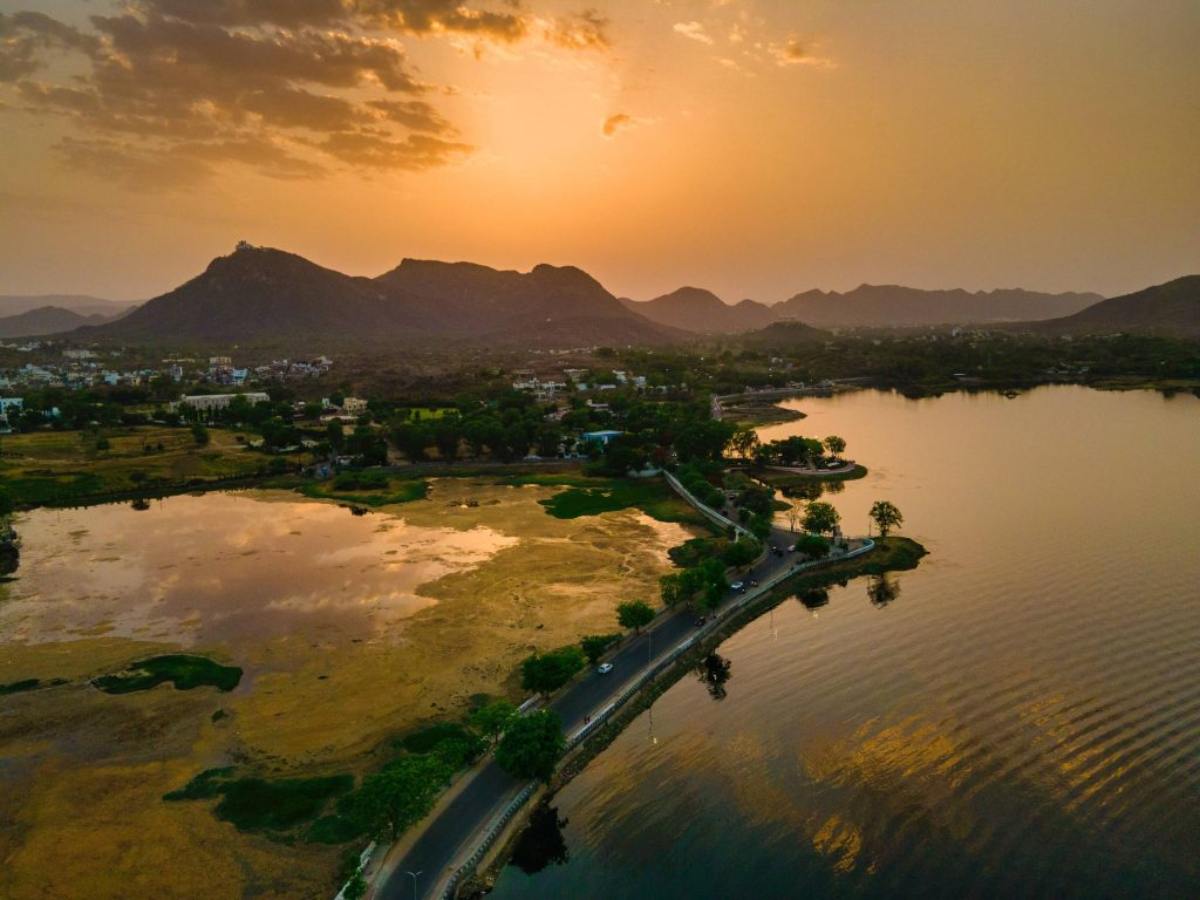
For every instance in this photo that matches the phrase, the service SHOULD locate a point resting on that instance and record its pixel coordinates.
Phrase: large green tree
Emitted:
(493, 719)
(820, 518)
(532, 745)
(396, 798)
(545, 673)
(635, 614)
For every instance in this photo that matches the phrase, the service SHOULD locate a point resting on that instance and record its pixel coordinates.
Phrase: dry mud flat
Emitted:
(350, 630)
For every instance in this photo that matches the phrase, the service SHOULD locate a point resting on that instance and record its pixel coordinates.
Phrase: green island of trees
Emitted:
(185, 672)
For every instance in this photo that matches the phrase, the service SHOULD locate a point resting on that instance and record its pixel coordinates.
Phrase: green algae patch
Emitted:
(183, 671)
(591, 497)
(256, 804)
(28, 684)
(367, 489)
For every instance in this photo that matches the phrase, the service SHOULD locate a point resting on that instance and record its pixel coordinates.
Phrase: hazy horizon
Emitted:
(749, 147)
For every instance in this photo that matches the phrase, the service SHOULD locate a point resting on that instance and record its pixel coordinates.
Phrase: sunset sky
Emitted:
(754, 147)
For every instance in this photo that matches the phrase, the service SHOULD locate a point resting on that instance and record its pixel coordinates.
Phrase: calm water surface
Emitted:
(1019, 717)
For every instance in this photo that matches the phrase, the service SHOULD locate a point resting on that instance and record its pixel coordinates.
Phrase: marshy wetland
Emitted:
(349, 631)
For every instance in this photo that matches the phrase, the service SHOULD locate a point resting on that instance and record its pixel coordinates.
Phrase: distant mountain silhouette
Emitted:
(560, 305)
(45, 320)
(873, 306)
(258, 294)
(782, 335)
(15, 304)
(695, 309)
(894, 306)
(1172, 308)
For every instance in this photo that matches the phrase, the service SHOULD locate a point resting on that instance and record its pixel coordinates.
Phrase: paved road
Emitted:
(435, 851)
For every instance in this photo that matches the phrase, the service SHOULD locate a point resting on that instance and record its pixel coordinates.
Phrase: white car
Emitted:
(604, 668)
(737, 586)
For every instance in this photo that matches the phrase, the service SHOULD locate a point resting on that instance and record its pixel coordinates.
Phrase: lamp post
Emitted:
(414, 878)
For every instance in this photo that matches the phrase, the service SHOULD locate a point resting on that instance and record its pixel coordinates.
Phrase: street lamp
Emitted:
(414, 878)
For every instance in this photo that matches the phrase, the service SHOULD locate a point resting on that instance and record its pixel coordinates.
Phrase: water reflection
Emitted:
(813, 598)
(542, 843)
(713, 672)
(227, 567)
(1023, 722)
(883, 589)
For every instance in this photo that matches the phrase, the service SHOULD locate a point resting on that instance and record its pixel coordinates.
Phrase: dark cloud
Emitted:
(25, 37)
(288, 87)
(503, 19)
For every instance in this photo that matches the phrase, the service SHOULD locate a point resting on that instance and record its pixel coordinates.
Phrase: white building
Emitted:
(210, 402)
(354, 406)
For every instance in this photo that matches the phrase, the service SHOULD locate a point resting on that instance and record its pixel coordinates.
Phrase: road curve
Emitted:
(435, 852)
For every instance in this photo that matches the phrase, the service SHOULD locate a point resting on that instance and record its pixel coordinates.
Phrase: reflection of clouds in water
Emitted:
(228, 566)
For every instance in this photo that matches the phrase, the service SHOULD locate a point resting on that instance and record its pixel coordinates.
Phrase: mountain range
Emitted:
(259, 294)
(867, 306)
(264, 296)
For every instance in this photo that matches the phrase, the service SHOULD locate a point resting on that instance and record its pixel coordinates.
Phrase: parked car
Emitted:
(738, 586)
(753, 583)
(604, 668)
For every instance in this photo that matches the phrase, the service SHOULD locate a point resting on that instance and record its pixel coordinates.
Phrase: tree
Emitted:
(335, 434)
(671, 589)
(400, 795)
(744, 442)
(820, 518)
(635, 614)
(493, 719)
(813, 546)
(886, 516)
(532, 745)
(412, 440)
(545, 673)
(446, 434)
(835, 445)
(793, 516)
(594, 645)
(742, 552)
(356, 887)
(200, 435)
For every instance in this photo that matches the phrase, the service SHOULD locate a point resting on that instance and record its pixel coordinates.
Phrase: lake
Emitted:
(350, 629)
(1018, 717)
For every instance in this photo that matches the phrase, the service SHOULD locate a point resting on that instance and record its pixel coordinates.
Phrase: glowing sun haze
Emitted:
(753, 147)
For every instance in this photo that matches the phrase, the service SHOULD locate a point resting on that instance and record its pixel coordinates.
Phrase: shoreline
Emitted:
(899, 554)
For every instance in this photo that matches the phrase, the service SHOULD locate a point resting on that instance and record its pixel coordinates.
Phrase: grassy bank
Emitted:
(63, 468)
(789, 479)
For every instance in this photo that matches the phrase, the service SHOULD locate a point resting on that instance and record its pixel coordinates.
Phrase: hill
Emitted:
(781, 335)
(1171, 309)
(698, 310)
(85, 305)
(263, 295)
(894, 306)
(550, 305)
(45, 320)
